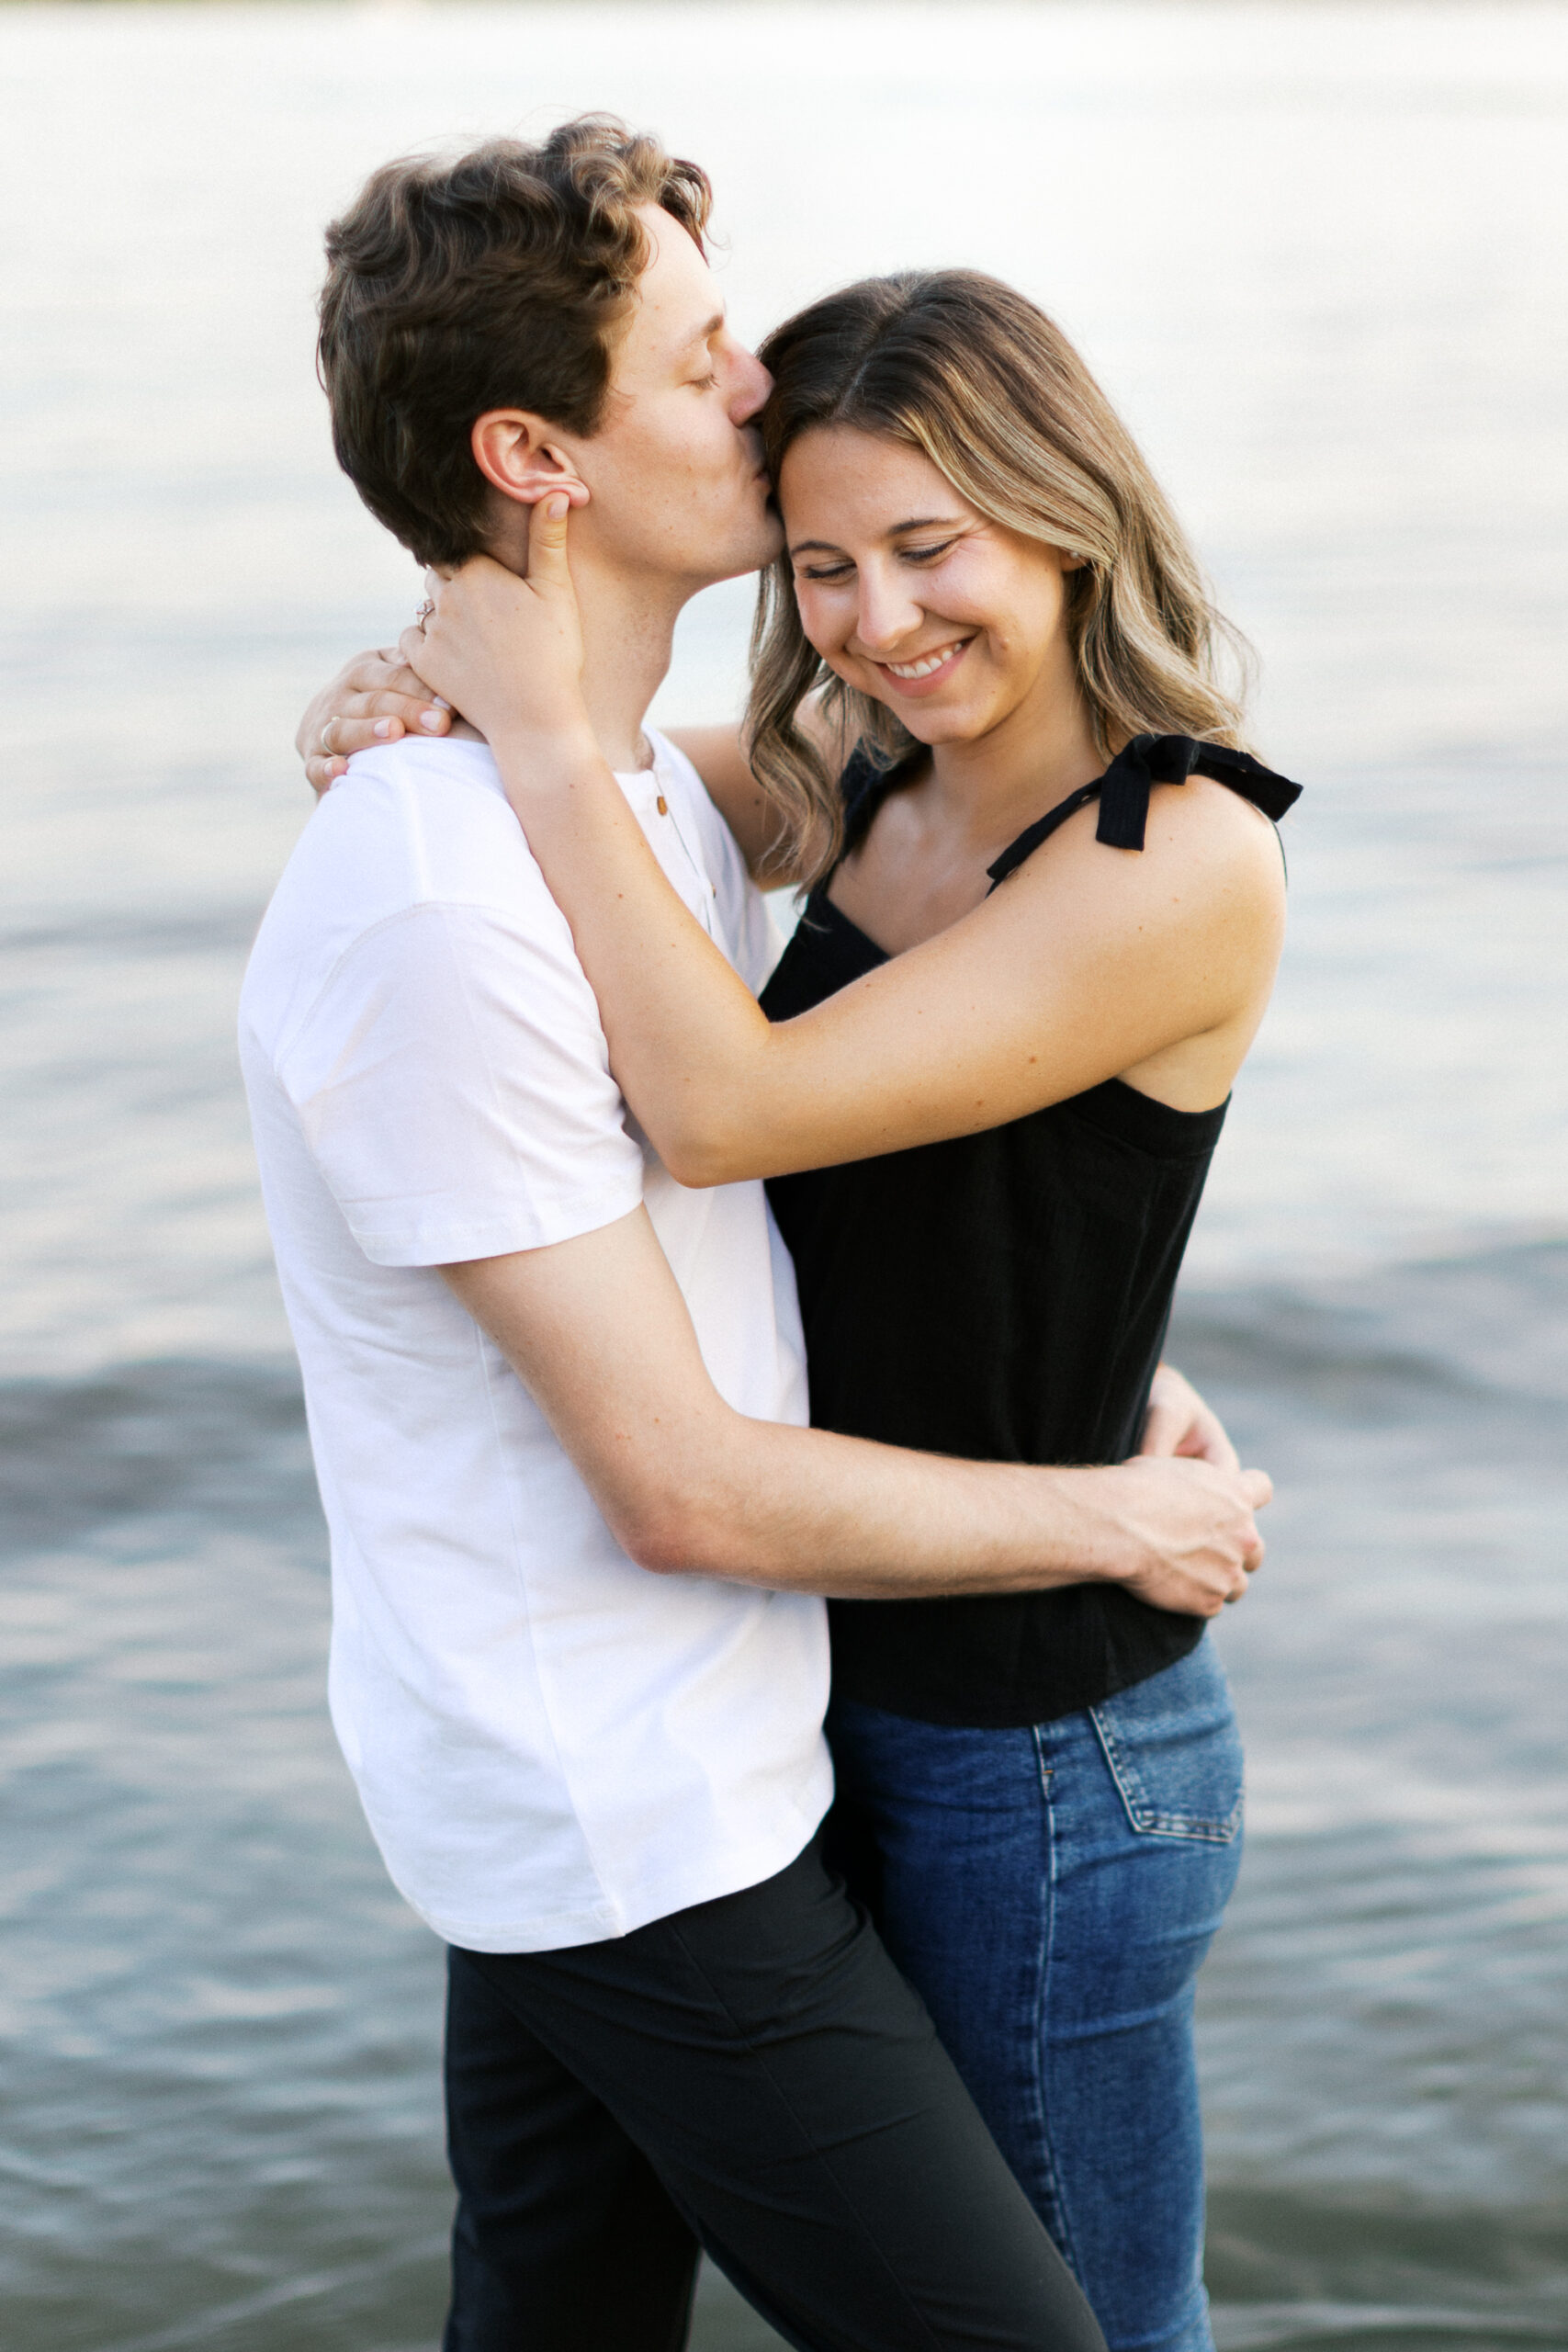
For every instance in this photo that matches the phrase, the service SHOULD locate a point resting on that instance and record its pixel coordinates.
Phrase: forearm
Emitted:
(688, 1042)
(597, 1331)
(1082, 970)
(687, 1485)
(717, 755)
(1073, 973)
(807, 1510)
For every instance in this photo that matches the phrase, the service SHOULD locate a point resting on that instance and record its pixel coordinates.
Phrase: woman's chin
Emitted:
(929, 723)
(930, 719)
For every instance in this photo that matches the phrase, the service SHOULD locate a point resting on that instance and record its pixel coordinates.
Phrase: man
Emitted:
(579, 1527)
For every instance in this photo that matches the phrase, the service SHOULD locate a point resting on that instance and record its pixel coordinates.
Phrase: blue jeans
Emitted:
(1051, 1892)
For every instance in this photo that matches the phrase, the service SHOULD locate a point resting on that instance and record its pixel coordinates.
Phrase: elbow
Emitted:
(670, 1533)
(700, 1153)
(687, 1506)
(657, 1541)
(701, 1167)
(720, 1123)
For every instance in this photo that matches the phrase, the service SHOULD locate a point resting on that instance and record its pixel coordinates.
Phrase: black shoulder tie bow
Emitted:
(1124, 792)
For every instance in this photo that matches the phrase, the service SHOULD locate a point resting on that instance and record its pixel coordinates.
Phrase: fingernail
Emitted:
(384, 727)
(441, 703)
(433, 721)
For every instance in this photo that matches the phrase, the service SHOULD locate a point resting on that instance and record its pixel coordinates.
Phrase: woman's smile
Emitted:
(922, 673)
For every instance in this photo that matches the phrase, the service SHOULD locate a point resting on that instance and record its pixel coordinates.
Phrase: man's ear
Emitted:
(518, 456)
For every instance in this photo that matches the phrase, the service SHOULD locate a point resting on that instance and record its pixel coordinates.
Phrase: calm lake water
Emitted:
(1319, 257)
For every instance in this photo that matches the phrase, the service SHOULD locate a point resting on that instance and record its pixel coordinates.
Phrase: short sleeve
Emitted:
(453, 1086)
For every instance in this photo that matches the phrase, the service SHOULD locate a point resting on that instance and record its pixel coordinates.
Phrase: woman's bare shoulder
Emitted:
(1201, 838)
(1196, 917)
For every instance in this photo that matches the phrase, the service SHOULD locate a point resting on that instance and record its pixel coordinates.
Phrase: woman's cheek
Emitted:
(816, 626)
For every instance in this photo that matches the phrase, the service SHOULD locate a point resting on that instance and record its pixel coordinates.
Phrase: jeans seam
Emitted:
(928, 2333)
(1063, 2233)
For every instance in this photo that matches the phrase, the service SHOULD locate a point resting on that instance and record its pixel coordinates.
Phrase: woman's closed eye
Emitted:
(844, 570)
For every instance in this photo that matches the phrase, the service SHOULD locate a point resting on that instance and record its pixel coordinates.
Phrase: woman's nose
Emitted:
(887, 612)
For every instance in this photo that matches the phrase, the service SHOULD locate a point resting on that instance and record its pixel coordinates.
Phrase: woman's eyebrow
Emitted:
(894, 531)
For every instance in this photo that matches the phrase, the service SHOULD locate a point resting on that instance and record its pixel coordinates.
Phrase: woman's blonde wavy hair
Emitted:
(957, 365)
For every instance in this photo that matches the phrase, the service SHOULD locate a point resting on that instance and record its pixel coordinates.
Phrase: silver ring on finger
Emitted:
(423, 615)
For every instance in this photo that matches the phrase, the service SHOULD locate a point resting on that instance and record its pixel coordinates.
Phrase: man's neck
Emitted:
(629, 627)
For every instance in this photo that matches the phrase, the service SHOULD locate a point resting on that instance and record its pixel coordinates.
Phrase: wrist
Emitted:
(1103, 1541)
(540, 757)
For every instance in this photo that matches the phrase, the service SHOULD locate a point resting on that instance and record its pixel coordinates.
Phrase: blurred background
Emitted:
(1317, 255)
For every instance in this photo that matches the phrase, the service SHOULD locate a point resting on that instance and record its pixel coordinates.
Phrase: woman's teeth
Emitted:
(927, 663)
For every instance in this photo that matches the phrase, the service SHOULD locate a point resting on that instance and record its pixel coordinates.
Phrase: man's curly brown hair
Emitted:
(498, 279)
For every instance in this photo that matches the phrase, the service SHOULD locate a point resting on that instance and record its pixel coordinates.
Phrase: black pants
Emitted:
(754, 2076)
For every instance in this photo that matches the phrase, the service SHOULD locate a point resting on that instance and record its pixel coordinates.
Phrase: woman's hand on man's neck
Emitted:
(627, 623)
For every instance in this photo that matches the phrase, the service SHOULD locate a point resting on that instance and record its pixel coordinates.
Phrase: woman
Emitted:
(994, 1068)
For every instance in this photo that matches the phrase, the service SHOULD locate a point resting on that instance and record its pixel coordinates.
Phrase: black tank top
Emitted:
(1002, 1297)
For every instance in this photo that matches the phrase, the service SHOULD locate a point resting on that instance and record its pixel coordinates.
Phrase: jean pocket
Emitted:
(1175, 1752)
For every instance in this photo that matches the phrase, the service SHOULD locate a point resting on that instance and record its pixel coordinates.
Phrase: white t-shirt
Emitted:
(552, 1745)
